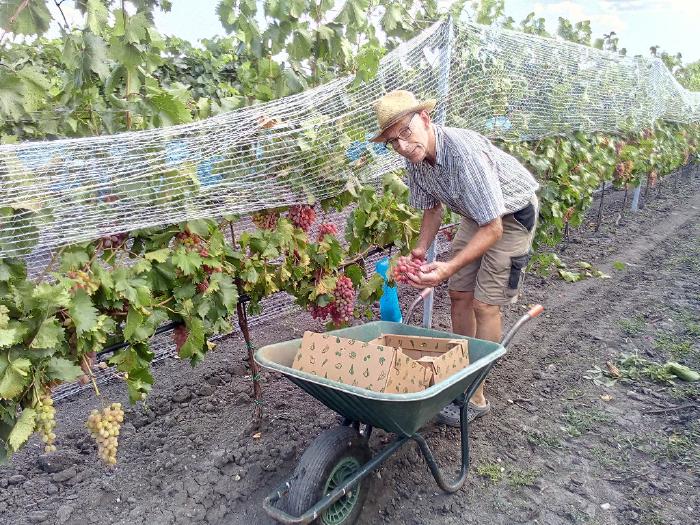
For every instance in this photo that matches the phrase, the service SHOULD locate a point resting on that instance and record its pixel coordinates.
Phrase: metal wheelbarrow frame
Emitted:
(362, 409)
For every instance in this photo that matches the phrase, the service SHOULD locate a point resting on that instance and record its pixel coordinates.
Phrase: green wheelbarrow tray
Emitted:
(402, 414)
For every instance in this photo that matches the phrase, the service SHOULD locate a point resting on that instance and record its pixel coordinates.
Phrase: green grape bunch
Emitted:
(104, 428)
(46, 422)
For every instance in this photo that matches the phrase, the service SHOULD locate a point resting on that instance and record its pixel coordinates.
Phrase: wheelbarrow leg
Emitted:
(463, 400)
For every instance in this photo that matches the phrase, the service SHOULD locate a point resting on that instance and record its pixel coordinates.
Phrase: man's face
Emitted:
(409, 137)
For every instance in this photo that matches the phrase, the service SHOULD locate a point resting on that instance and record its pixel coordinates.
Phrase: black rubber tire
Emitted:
(316, 465)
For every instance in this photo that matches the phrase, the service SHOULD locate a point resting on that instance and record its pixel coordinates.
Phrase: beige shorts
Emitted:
(496, 278)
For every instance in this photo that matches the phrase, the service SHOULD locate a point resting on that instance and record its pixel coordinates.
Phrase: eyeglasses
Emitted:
(404, 134)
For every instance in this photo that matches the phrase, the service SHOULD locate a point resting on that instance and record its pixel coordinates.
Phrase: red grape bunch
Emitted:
(265, 220)
(302, 216)
(326, 228)
(344, 304)
(191, 241)
(342, 307)
(112, 242)
(46, 422)
(320, 312)
(104, 428)
(404, 267)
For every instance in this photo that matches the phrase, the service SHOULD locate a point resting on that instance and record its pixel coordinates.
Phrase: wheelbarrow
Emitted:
(331, 481)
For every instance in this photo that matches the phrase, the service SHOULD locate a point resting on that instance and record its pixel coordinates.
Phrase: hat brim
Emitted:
(428, 106)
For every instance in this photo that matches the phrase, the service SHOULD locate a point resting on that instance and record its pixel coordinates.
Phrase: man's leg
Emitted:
(488, 327)
(462, 311)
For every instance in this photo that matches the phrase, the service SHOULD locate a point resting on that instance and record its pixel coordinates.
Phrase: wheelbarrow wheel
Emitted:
(331, 459)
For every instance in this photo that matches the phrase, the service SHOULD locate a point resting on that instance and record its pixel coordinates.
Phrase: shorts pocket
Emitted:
(526, 217)
(517, 266)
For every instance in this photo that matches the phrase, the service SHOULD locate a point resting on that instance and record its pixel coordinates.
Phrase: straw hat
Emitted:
(395, 105)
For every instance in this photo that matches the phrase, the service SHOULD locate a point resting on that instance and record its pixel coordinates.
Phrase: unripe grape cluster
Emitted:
(114, 241)
(104, 428)
(46, 422)
(404, 267)
(326, 228)
(190, 240)
(83, 281)
(302, 216)
(342, 307)
(265, 220)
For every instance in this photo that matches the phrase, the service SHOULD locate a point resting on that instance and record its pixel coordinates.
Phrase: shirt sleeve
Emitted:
(481, 188)
(418, 198)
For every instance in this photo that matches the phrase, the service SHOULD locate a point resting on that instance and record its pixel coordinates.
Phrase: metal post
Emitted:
(440, 118)
(635, 197)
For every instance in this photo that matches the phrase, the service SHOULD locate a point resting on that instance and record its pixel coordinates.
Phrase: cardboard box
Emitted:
(375, 367)
(442, 357)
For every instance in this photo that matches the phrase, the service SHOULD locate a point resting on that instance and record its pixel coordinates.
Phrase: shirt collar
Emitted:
(439, 145)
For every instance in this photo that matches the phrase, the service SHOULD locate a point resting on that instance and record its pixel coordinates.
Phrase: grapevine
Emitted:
(104, 429)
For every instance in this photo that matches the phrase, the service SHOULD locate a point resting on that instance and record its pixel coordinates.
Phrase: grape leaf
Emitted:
(4, 318)
(83, 313)
(61, 369)
(372, 289)
(97, 15)
(32, 19)
(24, 427)
(186, 261)
(199, 227)
(49, 297)
(158, 255)
(139, 383)
(224, 284)
(74, 258)
(193, 347)
(140, 327)
(50, 334)
(9, 337)
(12, 270)
(15, 376)
(355, 273)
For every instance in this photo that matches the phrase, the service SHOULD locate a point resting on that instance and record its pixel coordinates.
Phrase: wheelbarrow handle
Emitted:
(535, 311)
(422, 296)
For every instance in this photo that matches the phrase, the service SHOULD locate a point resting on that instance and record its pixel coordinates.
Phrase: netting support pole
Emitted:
(635, 197)
(440, 118)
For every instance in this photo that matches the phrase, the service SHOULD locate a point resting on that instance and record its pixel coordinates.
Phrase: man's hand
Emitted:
(432, 274)
(418, 255)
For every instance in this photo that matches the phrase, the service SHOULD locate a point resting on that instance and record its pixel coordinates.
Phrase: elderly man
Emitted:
(494, 194)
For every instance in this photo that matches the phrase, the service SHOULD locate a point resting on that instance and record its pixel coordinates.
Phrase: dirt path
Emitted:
(559, 446)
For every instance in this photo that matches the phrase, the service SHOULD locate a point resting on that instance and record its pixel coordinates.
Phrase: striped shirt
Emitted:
(471, 176)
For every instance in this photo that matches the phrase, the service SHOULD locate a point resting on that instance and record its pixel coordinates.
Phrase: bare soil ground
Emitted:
(565, 443)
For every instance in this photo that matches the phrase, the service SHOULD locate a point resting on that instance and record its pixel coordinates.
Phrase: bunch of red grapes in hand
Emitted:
(326, 228)
(404, 267)
(302, 216)
(342, 307)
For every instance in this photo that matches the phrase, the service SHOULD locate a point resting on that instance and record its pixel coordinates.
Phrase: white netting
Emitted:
(504, 84)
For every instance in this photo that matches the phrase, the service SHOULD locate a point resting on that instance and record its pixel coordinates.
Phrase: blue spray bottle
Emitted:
(389, 309)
